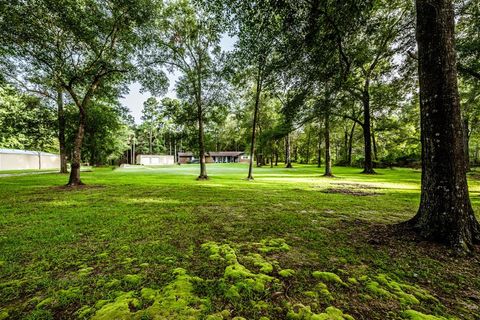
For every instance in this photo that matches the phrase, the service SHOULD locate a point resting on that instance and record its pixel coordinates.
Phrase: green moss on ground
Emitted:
(415, 315)
(301, 312)
(329, 277)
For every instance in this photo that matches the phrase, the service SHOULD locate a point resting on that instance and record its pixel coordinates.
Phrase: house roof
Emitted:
(185, 154)
(25, 152)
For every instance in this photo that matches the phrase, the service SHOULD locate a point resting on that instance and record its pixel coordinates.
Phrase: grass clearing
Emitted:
(153, 243)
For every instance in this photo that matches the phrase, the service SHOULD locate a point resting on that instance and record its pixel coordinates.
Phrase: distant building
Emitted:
(227, 157)
(155, 160)
(12, 159)
(185, 157)
(215, 157)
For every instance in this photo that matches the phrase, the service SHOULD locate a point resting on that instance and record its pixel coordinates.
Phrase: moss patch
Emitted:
(384, 286)
(329, 277)
(301, 312)
(273, 245)
(415, 315)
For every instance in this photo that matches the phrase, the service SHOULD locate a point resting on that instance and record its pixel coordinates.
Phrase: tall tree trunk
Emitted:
(287, 152)
(328, 159)
(466, 143)
(445, 213)
(254, 125)
(276, 157)
(350, 144)
(74, 179)
(345, 146)
(61, 131)
(367, 137)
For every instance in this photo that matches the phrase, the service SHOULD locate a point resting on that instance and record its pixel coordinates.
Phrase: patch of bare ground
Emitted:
(355, 185)
(351, 192)
(78, 188)
(451, 278)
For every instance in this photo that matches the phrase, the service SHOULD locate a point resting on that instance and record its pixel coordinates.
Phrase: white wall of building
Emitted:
(155, 160)
(11, 159)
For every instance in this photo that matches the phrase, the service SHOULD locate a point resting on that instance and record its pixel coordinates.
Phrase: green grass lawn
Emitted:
(154, 243)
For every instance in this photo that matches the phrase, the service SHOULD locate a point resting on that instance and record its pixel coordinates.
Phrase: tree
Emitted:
(367, 54)
(85, 47)
(445, 212)
(150, 113)
(188, 42)
(26, 122)
(256, 27)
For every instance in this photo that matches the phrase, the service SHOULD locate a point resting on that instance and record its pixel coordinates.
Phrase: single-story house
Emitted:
(155, 160)
(13, 159)
(185, 157)
(226, 157)
(215, 157)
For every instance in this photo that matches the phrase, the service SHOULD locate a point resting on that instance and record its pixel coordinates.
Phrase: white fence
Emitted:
(155, 160)
(11, 159)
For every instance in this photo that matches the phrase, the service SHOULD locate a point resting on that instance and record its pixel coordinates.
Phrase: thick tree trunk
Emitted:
(254, 126)
(74, 179)
(445, 212)
(367, 137)
(288, 162)
(328, 159)
(61, 131)
(276, 158)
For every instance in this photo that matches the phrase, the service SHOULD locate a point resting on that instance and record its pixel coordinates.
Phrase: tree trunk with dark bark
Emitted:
(445, 213)
(367, 136)
(328, 159)
(61, 131)
(288, 161)
(74, 179)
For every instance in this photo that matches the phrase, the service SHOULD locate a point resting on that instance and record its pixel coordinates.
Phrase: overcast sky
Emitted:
(134, 100)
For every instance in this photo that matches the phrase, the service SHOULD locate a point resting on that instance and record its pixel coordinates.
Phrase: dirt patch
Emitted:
(351, 192)
(78, 188)
(421, 255)
(356, 186)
